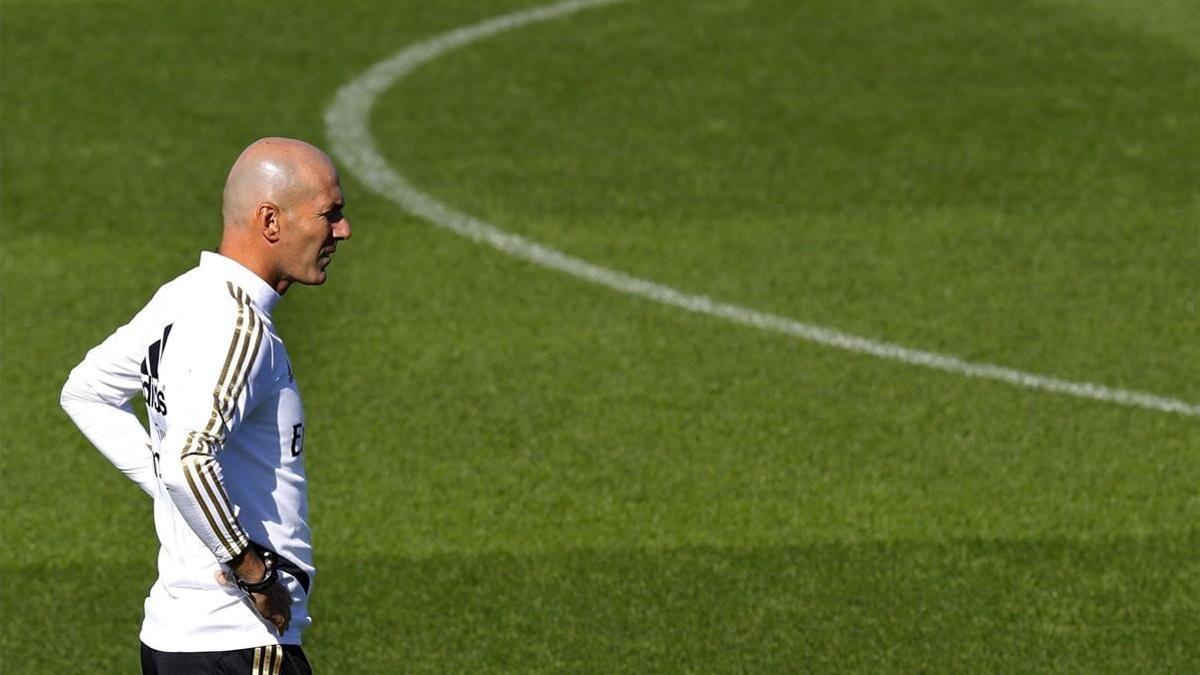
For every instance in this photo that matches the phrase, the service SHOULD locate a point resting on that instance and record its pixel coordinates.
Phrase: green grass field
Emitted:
(513, 470)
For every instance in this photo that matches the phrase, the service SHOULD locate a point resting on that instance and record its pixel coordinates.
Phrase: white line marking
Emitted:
(347, 125)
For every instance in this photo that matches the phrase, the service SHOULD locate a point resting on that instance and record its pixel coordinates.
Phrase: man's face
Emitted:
(312, 228)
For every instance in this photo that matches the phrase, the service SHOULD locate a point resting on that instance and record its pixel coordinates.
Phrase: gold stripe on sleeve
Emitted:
(238, 374)
(278, 649)
(244, 378)
(189, 468)
(239, 533)
(256, 669)
(236, 293)
(220, 500)
(230, 385)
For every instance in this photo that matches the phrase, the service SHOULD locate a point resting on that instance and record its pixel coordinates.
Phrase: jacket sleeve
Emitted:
(205, 372)
(97, 397)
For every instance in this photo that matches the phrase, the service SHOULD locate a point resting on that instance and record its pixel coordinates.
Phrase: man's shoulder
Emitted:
(197, 296)
(209, 316)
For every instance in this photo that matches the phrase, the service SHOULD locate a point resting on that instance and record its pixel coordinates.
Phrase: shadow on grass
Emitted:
(1123, 605)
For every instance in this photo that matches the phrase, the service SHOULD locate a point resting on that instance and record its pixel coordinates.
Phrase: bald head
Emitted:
(282, 212)
(276, 170)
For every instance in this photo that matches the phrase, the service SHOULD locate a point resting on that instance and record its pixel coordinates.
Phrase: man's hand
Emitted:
(274, 603)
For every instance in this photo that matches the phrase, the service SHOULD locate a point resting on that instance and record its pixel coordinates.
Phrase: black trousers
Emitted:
(268, 660)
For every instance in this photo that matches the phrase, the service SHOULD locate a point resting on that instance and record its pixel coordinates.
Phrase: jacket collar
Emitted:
(262, 296)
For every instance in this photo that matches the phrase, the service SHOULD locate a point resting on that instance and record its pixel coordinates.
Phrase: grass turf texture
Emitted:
(512, 470)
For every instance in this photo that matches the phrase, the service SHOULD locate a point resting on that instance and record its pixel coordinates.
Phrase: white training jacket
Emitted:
(224, 457)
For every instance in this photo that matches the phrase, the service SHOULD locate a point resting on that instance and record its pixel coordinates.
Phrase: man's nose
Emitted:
(341, 229)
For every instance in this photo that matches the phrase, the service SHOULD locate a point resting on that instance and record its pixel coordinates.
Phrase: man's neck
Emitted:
(255, 264)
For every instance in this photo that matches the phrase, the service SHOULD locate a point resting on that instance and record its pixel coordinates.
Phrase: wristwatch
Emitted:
(268, 579)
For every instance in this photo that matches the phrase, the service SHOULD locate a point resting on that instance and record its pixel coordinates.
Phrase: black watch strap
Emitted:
(268, 579)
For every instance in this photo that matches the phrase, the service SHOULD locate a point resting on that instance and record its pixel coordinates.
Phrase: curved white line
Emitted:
(347, 124)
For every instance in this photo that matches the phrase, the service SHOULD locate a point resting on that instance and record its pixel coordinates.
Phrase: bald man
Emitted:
(223, 458)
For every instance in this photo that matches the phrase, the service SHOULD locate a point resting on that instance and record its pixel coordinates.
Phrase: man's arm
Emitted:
(206, 372)
(97, 397)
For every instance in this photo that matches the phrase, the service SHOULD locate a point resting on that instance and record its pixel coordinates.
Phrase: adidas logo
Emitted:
(152, 389)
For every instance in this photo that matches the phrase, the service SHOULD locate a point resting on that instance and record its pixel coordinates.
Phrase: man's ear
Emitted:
(266, 221)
